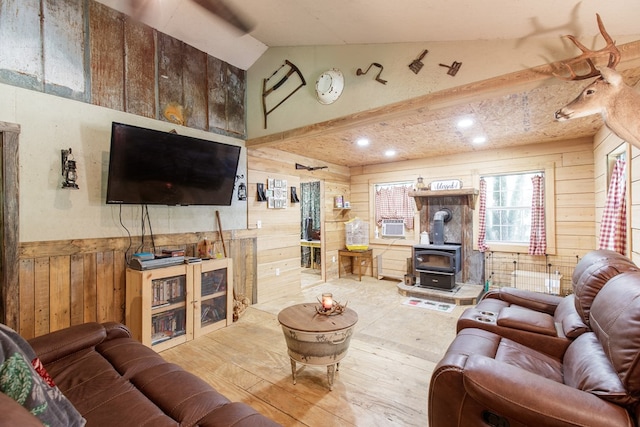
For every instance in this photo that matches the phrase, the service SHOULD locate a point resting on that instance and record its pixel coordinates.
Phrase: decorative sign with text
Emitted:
(451, 184)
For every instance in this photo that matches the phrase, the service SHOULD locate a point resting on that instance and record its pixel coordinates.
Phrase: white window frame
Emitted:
(549, 208)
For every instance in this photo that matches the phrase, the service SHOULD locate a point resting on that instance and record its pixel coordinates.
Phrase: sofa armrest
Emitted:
(531, 399)
(58, 344)
(528, 299)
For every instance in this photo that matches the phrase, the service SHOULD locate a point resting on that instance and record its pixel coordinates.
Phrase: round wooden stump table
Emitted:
(316, 339)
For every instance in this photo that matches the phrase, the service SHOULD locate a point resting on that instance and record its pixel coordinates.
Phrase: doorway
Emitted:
(311, 232)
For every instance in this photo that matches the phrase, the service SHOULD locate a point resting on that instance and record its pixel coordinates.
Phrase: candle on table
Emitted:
(327, 301)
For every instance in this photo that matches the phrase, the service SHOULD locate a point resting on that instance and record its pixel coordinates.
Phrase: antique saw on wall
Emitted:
(219, 8)
(285, 71)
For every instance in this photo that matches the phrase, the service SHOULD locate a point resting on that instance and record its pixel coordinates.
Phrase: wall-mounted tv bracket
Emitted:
(359, 72)
(266, 92)
(453, 68)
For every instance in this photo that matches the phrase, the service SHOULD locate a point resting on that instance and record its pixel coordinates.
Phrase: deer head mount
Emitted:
(608, 95)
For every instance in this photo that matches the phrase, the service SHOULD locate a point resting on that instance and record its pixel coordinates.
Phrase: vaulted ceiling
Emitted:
(511, 110)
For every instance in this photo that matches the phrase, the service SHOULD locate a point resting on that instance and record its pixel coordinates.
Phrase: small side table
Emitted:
(316, 339)
(367, 256)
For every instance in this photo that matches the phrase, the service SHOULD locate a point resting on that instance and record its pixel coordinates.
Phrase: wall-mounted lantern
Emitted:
(69, 172)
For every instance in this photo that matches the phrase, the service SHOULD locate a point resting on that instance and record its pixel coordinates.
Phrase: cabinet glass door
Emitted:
(213, 298)
(168, 307)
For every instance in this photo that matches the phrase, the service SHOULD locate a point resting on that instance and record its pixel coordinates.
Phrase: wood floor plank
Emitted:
(382, 381)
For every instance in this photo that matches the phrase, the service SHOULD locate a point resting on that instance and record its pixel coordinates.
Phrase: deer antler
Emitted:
(588, 55)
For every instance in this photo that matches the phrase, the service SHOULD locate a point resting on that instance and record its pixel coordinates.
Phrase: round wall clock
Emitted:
(329, 86)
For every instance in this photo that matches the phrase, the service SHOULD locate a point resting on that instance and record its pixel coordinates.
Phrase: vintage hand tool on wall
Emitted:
(266, 92)
(453, 68)
(417, 64)
(359, 72)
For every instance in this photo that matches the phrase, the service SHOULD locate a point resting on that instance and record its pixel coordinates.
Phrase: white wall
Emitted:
(480, 60)
(48, 212)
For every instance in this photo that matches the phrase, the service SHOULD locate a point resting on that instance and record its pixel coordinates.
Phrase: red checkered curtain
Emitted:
(538, 237)
(394, 202)
(613, 227)
(482, 217)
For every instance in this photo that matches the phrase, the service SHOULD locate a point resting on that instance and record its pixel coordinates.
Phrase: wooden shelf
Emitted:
(471, 194)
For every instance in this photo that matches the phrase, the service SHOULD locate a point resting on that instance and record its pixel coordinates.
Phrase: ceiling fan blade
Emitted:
(222, 10)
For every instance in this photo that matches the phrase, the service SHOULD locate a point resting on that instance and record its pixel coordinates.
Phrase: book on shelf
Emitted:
(173, 252)
(167, 290)
(214, 281)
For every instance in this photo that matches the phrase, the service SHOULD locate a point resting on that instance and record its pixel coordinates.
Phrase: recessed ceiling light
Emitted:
(479, 139)
(390, 153)
(465, 123)
(363, 142)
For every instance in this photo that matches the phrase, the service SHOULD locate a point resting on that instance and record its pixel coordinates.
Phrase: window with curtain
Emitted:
(392, 201)
(509, 214)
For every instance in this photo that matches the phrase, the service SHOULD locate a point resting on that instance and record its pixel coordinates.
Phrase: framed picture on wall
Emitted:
(338, 202)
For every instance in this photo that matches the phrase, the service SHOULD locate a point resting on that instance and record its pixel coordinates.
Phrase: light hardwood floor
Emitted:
(382, 381)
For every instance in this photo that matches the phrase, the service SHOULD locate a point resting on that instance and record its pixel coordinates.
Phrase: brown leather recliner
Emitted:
(487, 380)
(547, 322)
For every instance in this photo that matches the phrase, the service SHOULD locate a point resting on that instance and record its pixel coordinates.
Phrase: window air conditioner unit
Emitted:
(393, 228)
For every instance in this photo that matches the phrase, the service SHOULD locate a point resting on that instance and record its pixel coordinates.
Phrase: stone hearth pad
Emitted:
(461, 294)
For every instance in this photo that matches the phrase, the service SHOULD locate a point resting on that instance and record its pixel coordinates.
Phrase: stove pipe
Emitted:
(438, 226)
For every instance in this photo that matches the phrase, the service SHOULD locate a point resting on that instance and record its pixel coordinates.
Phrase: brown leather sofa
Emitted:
(545, 322)
(485, 379)
(113, 380)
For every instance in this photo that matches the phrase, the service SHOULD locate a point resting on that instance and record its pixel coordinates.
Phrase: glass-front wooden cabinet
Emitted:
(172, 305)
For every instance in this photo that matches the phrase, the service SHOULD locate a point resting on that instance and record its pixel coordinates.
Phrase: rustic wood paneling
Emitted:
(42, 305)
(194, 81)
(64, 45)
(127, 66)
(76, 276)
(235, 106)
(90, 292)
(107, 56)
(217, 94)
(27, 322)
(59, 292)
(574, 204)
(21, 43)
(139, 68)
(72, 282)
(170, 68)
(243, 252)
(9, 223)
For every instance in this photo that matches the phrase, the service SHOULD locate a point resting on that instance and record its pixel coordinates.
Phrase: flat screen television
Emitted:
(152, 167)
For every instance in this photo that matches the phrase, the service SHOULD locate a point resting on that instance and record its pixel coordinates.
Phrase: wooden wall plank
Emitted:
(10, 225)
(64, 46)
(27, 325)
(107, 56)
(21, 44)
(170, 67)
(235, 85)
(90, 287)
(119, 286)
(194, 82)
(139, 68)
(41, 296)
(59, 293)
(217, 94)
(104, 287)
(77, 289)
